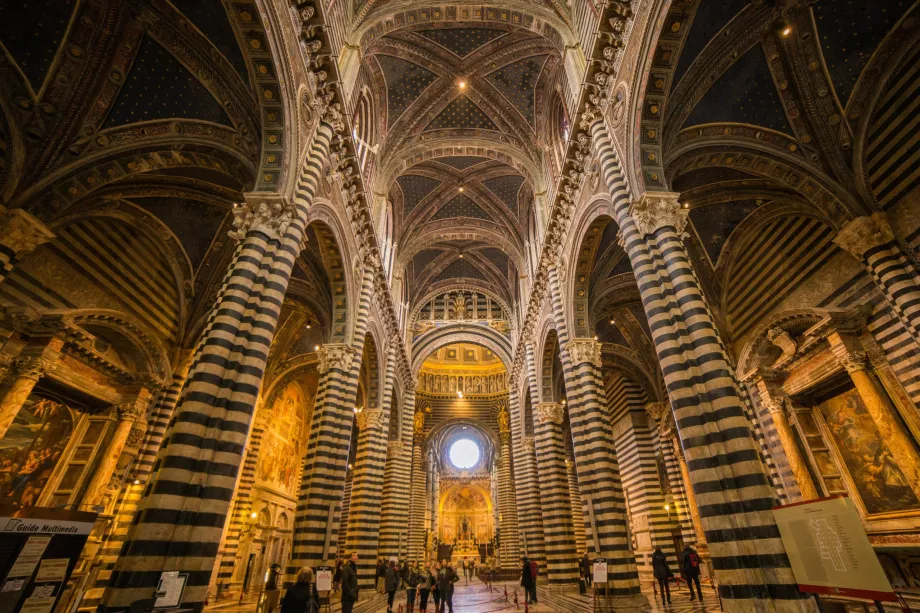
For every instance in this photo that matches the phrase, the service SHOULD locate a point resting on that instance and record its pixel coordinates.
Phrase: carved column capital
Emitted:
(527, 443)
(336, 355)
(655, 210)
(395, 447)
(549, 413)
(852, 361)
(504, 437)
(583, 350)
(263, 212)
(660, 412)
(31, 367)
(369, 419)
(22, 232)
(864, 233)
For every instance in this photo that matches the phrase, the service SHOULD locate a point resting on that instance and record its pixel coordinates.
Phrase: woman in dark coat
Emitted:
(412, 579)
(391, 583)
(662, 573)
(447, 577)
(526, 578)
(301, 597)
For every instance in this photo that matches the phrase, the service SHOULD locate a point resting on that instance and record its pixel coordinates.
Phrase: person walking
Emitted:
(350, 584)
(301, 597)
(272, 589)
(413, 578)
(526, 579)
(586, 570)
(690, 561)
(381, 571)
(663, 573)
(424, 587)
(391, 582)
(447, 577)
(472, 568)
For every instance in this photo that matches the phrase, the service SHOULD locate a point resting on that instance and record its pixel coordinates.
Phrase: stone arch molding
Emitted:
(461, 333)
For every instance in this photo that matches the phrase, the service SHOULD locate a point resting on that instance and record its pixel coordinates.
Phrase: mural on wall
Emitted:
(285, 438)
(31, 448)
(879, 482)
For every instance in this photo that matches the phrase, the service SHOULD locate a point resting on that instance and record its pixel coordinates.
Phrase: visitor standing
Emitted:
(436, 589)
(534, 572)
(350, 584)
(586, 570)
(663, 574)
(381, 571)
(413, 578)
(391, 582)
(337, 576)
(272, 589)
(424, 587)
(301, 597)
(447, 577)
(526, 579)
(690, 561)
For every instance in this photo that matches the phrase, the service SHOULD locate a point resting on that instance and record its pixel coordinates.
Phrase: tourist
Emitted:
(527, 579)
(447, 577)
(436, 590)
(272, 589)
(350, 584)
(690, 563)
(586, 570)
(426, 581)
(472, 568)
(337, 576)
(301, 597)
(412, 579)
(381, 571)
(663, 573)
(391, 582)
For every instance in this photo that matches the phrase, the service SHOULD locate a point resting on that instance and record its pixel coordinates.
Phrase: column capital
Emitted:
(369, 419)
(22, 232)
(135, 409)
(340, 356)
(655, 210)
(864, 233)
(583, 350)
(33, 367)
(395, 447)
(504, 437)
(549, 413)
(265, 212)
(527, 443)
(851, 361)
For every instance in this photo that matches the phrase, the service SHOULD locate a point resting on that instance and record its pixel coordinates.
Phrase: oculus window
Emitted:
(464, 454)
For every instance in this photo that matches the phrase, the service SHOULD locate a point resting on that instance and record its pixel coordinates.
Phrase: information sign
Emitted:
(829, 550)
(599, 571)
(323, 579)
(169, 590)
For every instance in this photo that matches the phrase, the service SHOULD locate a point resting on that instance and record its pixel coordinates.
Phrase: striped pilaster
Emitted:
(398, 485)
(507, 512)
(578, 511)
(418, 491)
(558, 528)
(530, 517)
(316, 522)
(870, 240)
(732, 488)
(181, 517)
(367, 484)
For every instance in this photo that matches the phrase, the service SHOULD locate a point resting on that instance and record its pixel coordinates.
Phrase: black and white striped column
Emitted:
(530, 516)
(870, 240)
(510, 552)
(366, 487)
(397, 484)
(732, 488)
(417, 497)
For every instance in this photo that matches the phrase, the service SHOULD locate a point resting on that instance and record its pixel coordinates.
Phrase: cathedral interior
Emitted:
(283, 281)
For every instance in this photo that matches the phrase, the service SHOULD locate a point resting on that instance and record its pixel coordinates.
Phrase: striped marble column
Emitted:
(318, 512)
(527, 486)
(558, 529)
(578, 511)
(417, 494)
(366, 487)
(730, 481)
(185, 505)
(507, 512)
(20, 233)
(397, 484)
(870, 240)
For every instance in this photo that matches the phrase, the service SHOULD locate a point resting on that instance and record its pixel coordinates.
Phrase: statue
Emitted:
(459, 306)
(419, 425)
(504, 423)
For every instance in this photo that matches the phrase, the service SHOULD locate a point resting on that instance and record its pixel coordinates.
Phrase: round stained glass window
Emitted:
(464, 454)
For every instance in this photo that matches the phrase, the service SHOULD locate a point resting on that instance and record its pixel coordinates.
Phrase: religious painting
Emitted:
(284, 440)
(31, 448)
(879, 481)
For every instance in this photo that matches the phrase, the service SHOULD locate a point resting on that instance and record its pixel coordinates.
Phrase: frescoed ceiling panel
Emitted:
(194, 223)
(415, 188)
(405, 83)
(462, 41)
(31, 32)
(744, 94)
(160, 87)
(462, 113)
(715, 223)
(517, 81)
(849, 31)
(211, 18)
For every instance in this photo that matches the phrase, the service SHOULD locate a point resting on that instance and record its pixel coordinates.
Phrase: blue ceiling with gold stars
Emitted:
(460, 268)
(461, 206)
(705, 176)
(506, 188)
(464, 114)
(498, 257)
(194, 223)
(423, 258)
(462, 41)
(160, 87)
(849, 31)
(744, 94)
(31, 31)
(461, 162)
(517, 81)
(715, 223)
(711, 16)
(405, 83)
(212, 20)
(414, 189)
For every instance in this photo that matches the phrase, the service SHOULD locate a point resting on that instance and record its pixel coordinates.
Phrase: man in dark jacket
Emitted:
(663, 573)
(447, 577)
(527, 581)
(391, 581)
(350, 584)
(586, 569)
(690, 563)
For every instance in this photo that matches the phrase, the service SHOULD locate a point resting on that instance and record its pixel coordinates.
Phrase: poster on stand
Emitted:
(599, 571)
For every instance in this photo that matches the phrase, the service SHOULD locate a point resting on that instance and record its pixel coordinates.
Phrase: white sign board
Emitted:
(29, 557)
(169, 591)
(323, 579)
(829, 550)
(599, 571)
